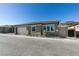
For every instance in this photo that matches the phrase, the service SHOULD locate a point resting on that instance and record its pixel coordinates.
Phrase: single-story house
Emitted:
(43, 28)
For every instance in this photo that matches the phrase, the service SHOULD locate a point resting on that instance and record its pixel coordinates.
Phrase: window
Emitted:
(52, 26)
(44, 27)
(49, 27)
(52, 29)
(33, 28)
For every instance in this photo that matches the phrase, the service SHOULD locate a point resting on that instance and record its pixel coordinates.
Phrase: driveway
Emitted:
(17, 45)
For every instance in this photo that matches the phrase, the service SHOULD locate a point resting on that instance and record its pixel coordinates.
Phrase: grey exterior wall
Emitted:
(63, 32)
(37, 32)
(76, 34)
(1, 29)
(41, 32)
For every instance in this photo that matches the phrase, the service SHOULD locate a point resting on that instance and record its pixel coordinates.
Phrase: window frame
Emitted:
(32, 27)
(50, 26)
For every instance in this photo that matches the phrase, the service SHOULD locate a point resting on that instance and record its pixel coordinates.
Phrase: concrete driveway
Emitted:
(16, 45)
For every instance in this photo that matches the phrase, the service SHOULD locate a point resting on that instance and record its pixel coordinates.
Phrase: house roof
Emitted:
(40, 22)
(72, 27)
(6, 25)
(44, 22)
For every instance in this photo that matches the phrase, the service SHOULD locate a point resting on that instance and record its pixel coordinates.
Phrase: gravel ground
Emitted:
(17, 45)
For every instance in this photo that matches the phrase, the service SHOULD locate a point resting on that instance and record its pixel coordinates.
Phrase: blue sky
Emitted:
(25, 13)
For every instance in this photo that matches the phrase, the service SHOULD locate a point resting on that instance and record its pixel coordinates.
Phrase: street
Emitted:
(17, 45)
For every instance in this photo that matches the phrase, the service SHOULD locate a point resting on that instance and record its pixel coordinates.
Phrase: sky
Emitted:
(20, 13)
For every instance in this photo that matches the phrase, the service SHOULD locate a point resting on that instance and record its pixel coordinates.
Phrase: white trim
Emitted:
(53, 25)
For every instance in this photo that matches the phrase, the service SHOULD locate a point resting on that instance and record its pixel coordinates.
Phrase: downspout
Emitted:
(15, 30)
(74, 32)
(41, 30)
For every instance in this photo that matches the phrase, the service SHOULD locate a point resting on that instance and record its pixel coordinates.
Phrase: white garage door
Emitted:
(22, 30)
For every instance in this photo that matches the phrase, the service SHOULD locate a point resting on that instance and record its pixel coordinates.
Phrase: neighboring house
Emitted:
(44, 28)
(73, 31)
(6, 29)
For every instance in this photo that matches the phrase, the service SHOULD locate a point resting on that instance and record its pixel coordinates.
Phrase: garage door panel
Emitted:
(71, 33)
(22, 30)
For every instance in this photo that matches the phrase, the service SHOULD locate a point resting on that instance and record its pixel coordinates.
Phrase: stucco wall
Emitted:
(63, 32)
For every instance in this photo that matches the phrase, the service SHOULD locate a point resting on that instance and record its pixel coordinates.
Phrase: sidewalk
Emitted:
(68, 39)
(24, 36)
